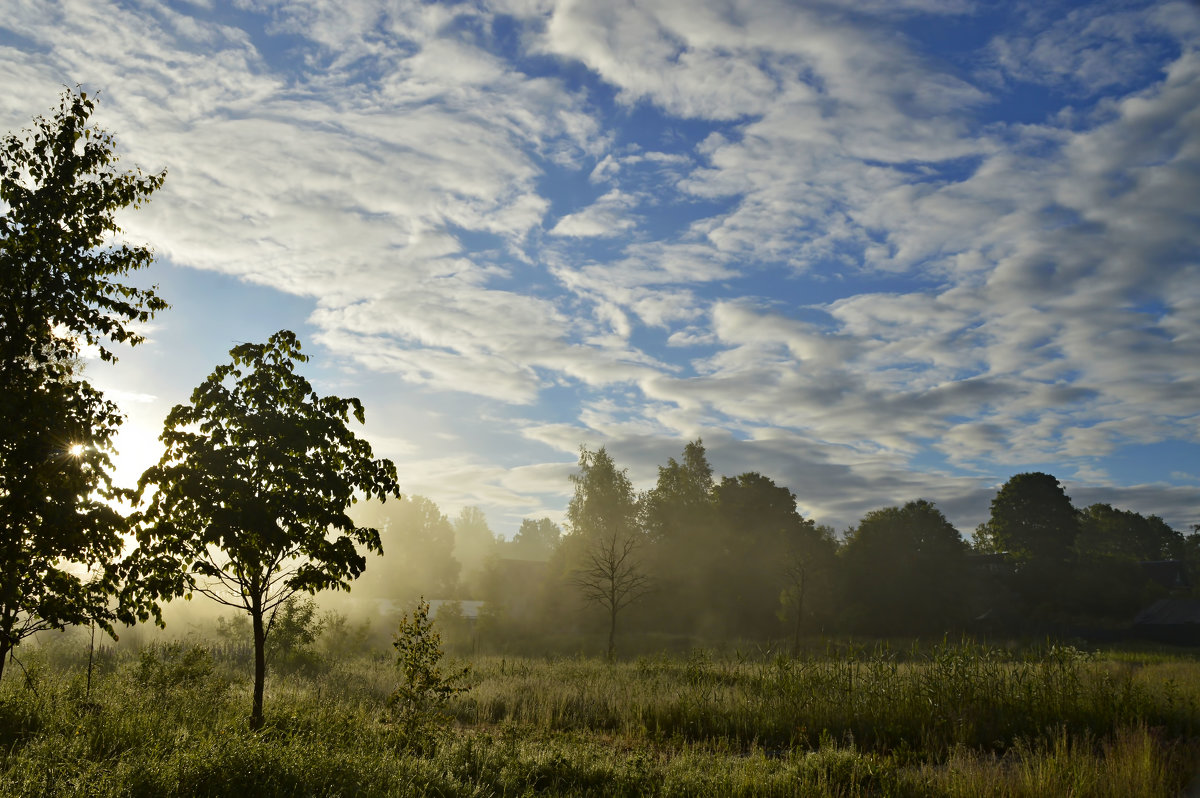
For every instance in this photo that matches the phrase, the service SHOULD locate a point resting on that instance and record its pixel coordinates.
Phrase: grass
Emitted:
(951, 719)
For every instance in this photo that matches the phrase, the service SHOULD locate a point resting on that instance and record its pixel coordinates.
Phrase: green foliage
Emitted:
(1032, 519)
(670, 727)
(294, 628)
(161, 667)
(420, 699)
(760, 535)
(535, 540)
(252, 492)
(1106, 531)
(904, 572)
(341, 638)
(60, 286)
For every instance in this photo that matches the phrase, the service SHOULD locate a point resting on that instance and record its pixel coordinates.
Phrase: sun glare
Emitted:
(76, 449)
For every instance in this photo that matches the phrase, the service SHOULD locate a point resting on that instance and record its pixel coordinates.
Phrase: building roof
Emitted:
(1169, 612)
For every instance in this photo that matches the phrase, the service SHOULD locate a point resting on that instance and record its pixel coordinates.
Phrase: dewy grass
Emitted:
(958, 720)
(951, 696)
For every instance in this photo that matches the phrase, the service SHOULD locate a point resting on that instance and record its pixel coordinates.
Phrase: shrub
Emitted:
(420, 699)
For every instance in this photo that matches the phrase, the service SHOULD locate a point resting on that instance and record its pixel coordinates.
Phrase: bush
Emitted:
(163, 666)
(421, 697)
(295, 627)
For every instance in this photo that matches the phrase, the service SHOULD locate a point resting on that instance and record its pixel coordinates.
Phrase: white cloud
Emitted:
(999, 294)
(607, 216)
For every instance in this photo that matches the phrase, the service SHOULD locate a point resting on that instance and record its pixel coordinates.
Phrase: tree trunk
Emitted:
(260, 665)
(799, 618)
(612, 634)
(7, 621)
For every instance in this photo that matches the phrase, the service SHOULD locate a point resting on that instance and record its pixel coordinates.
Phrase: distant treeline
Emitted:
(733, 558)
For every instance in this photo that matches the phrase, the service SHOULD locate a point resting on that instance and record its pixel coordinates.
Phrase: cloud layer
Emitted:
(850, 252)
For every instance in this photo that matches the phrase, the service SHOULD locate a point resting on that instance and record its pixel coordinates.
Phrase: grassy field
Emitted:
(951, 719)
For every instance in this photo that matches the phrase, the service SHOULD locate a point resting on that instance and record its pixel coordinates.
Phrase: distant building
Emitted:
(1175, 621)
(470, 609)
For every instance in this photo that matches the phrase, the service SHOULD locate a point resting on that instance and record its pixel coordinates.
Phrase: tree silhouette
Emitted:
(603, 513)
(60, 286)
(252, 493)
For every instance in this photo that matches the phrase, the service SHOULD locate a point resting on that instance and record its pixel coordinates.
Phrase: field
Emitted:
(954, 719)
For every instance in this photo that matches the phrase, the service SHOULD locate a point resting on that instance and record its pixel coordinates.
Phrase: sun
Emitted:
(76, 449)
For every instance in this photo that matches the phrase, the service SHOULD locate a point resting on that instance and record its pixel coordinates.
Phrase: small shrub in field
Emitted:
(424, 690)
(167, 665)
(295, 627)
(340, 637)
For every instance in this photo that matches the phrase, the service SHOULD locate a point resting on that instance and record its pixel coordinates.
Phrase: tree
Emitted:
(603, 514)
(60, 286)
(757, 530)
(252, 492)
(808, 577)
(1035, 524)
(677, 514)
(535, 540)
(1106, 531)
(474, 542)
(681, 500)
(1032, 519)
(418, 528)
(904, 571)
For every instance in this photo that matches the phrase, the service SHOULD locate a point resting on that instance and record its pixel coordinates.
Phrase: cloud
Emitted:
(607, 216)
(817, 240)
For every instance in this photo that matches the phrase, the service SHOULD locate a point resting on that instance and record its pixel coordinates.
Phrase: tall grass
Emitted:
(921, 702)
(954, 720)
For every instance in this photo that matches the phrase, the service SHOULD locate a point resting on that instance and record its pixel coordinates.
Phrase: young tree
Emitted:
(603, 513)
(252, 492)
(60, 285)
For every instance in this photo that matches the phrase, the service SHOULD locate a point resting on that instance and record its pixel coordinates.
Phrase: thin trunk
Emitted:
(260, 664)
(7, 621)
(799, 618)
(91, 661)
(612, 633)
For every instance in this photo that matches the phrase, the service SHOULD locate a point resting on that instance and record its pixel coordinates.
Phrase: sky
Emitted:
(877, 250)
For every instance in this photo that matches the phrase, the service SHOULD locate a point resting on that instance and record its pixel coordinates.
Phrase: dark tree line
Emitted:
(733, 558)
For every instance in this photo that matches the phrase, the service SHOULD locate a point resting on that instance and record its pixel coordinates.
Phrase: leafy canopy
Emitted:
(254, 485)
(61, 271)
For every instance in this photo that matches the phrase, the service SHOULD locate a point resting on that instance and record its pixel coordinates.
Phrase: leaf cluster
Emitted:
(251, 493)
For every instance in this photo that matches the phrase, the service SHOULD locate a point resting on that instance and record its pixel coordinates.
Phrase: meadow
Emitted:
(949, 719)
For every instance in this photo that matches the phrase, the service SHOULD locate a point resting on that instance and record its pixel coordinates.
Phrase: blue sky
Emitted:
(878, 250)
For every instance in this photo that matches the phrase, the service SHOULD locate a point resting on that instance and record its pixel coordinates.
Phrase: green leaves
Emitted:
(59, 288)
(249, 499)
(250, 496)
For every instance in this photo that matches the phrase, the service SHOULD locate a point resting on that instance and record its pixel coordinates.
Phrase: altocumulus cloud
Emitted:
(878, 251)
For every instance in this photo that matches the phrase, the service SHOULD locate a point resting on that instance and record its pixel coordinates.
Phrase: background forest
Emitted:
(726, 558)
